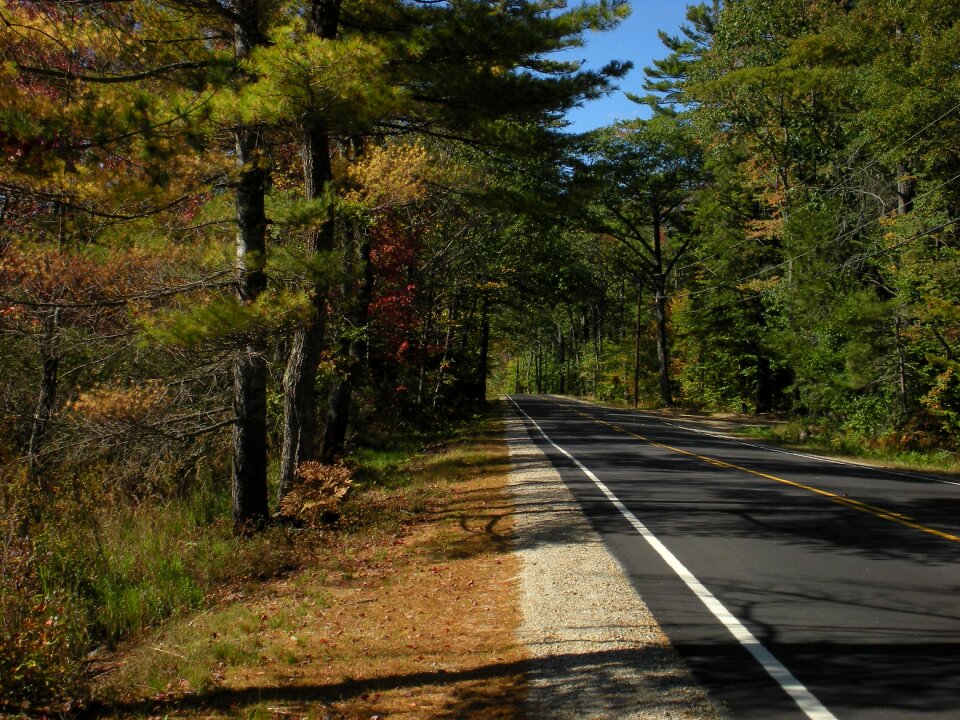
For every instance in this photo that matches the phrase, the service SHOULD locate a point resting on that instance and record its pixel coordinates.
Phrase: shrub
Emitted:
(102, 568)
(42, 634)
(317, 496)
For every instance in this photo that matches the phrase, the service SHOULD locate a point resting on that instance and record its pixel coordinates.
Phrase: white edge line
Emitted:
(805, 699)
(771, 448)
(807, 456)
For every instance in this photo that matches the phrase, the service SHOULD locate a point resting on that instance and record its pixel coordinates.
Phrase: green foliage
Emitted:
(942, 399)
(820, 275)
(226, 321)
(122, 202)
(104, 570)
(298, 212)
(300, 74)
(666, 79)
(787, 219)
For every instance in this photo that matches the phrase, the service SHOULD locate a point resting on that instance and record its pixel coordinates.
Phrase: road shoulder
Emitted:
(596, 651)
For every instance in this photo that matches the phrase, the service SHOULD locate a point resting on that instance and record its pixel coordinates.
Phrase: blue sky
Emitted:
(635, 40)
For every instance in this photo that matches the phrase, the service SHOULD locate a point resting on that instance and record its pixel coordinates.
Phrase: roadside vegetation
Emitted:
(393, 610)
(886, 452)
(253, 253)
(185, 617)
(777, 233)
(248, 251)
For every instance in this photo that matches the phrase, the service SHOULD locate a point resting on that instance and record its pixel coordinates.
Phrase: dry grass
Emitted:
(408, 611)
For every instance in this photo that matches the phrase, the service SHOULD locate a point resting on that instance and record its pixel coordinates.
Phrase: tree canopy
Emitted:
(242, 237)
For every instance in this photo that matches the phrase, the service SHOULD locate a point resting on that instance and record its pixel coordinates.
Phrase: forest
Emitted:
(242, 240)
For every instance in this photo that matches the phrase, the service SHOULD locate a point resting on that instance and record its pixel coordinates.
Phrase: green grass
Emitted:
(105, 569)
(386, 463)
(192, 652)
(837, 443)
(385, 460)
(134, 567)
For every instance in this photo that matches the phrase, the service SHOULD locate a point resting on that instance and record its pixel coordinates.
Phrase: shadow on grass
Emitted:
(456, 454)
(496, 690)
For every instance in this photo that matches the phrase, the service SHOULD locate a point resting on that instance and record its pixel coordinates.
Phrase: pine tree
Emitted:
(459, 71)
(638, 179)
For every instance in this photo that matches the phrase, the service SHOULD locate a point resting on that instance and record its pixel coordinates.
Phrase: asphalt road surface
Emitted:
(795, 587)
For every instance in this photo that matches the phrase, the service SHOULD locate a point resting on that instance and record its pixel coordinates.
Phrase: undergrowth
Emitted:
(373, 599)
(97, 569)
(891, 449)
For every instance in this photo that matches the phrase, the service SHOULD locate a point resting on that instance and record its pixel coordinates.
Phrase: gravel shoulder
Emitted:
(595, 650)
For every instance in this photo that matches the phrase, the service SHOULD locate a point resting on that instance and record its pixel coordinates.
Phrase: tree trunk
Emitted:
(621, 312)
(764, 385)
(300, 397)
(481, 392)
(338, 419)
(324, 18)
(529, 384)
(352, 353)
(249, 476)
(50, 361)
(660, 307)
(43, 413)
(598, 350)
(577, 367)
(539, 367)
(299, 380)
(906, 190)
(636, 354)
(901, 364)
(422, 354)
(49, 380)
(250, 507)
(663, 351)
(447, 345)
(906, 184)
(562, 358)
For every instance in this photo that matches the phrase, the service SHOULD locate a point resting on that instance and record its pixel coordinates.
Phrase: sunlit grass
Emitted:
(853, 447)
(103, 569)
(388, 590)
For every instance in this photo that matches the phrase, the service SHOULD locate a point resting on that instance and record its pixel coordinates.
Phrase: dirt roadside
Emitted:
(421, 606)
(407, 610)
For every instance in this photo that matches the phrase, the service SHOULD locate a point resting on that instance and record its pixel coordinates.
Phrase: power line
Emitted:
(884, 154)
(831, 191)
(833, 268)
(819, 246)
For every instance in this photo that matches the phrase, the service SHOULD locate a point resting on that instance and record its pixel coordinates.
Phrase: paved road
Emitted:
(794, 587)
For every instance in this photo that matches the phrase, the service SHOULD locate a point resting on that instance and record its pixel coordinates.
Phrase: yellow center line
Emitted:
(879, 512)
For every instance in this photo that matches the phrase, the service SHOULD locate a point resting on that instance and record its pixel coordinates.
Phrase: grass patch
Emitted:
(400, 611)
(106, 569)
(188, 656)
(800, 436)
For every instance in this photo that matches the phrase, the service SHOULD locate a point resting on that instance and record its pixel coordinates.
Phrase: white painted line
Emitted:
(805, 699)
(795, 453)
(713, 433)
